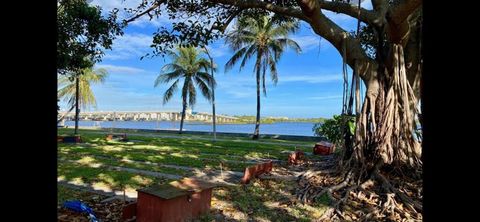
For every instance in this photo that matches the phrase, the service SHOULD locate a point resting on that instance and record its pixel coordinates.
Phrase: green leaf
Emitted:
(351, 125)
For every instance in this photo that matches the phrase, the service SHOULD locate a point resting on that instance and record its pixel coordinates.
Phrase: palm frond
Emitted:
(277, 48)
(190, 66)
(273, 69)
(290, 43)
(250, 52)
(207, 78)
(86, 98)
(87, 77)
(204, 88)
(170, 91)
(239, 38)
(167, 77)
(170, 67)
(204, 64)
(232, 61)
(284, 29)
(173, 56)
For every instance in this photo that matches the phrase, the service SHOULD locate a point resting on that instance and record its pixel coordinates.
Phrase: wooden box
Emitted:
(323, 148)
(177, 201)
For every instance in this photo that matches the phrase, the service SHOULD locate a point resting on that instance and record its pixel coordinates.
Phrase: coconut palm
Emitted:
(76, 90)
(189, 66)
(213, 65)
(265, 39)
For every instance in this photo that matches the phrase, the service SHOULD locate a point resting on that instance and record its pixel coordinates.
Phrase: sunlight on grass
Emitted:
(148, 147)
(142, 180)
(107, 179)
(78, 181)
(89, 161)
(126, 159)
(184, 155)
(86, 160)
(102, 185)
(261, 219)
(113, 148)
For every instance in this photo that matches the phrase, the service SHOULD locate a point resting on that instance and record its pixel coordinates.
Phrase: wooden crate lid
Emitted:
(324, 143)
(178, 188)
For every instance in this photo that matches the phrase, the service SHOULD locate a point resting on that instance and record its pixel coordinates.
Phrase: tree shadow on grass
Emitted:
(264, 200)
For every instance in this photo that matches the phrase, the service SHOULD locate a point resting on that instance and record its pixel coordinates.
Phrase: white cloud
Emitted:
(310, 78)
(129, 46)
(218, 49)
(145, 21)
(120, 69)
(237, 86)
(309, 42)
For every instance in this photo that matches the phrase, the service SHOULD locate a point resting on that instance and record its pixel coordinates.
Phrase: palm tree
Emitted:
(266, 39)
(193, 69)
(78, 92)
(213, 94)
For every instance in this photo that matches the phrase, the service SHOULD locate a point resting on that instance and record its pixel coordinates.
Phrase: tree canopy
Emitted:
(82, 32)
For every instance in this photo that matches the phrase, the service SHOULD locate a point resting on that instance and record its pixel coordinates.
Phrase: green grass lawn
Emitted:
(88, 163)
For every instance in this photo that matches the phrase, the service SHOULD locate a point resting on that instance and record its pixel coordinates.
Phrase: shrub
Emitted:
(332, 129)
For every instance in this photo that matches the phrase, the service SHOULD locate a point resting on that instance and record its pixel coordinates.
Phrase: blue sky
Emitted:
(310, 83)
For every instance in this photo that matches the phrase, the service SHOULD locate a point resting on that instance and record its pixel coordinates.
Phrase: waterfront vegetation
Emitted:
(268, 120)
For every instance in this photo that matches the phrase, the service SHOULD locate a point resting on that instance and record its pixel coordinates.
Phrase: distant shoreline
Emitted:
(264, 121)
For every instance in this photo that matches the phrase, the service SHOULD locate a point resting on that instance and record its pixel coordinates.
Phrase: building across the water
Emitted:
(149, 116)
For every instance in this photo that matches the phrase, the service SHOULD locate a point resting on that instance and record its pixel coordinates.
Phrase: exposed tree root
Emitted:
(375, 199)
(379, 179)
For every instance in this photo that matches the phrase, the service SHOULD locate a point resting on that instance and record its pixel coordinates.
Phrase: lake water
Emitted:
(283, 128)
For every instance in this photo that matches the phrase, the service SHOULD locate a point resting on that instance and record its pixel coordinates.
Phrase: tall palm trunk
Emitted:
(256, 133)
(213, 97)
(213, 110)
(77, 98)
(183, 114)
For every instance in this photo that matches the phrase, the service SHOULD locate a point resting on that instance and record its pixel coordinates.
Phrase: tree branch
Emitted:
(153, 7)
(365, 15)
(401, 9)
(264, 5)
(338, 37)
(380, 7)
(230, 19)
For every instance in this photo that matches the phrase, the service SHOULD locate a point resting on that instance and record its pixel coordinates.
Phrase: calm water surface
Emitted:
(285, 128)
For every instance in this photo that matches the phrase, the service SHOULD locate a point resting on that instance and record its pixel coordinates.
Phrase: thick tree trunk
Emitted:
(383, 149)
(184, 107)
(256, 133)
(77, 99)
(385, 125)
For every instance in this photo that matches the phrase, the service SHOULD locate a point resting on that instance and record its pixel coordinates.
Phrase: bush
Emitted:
(333, 129)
